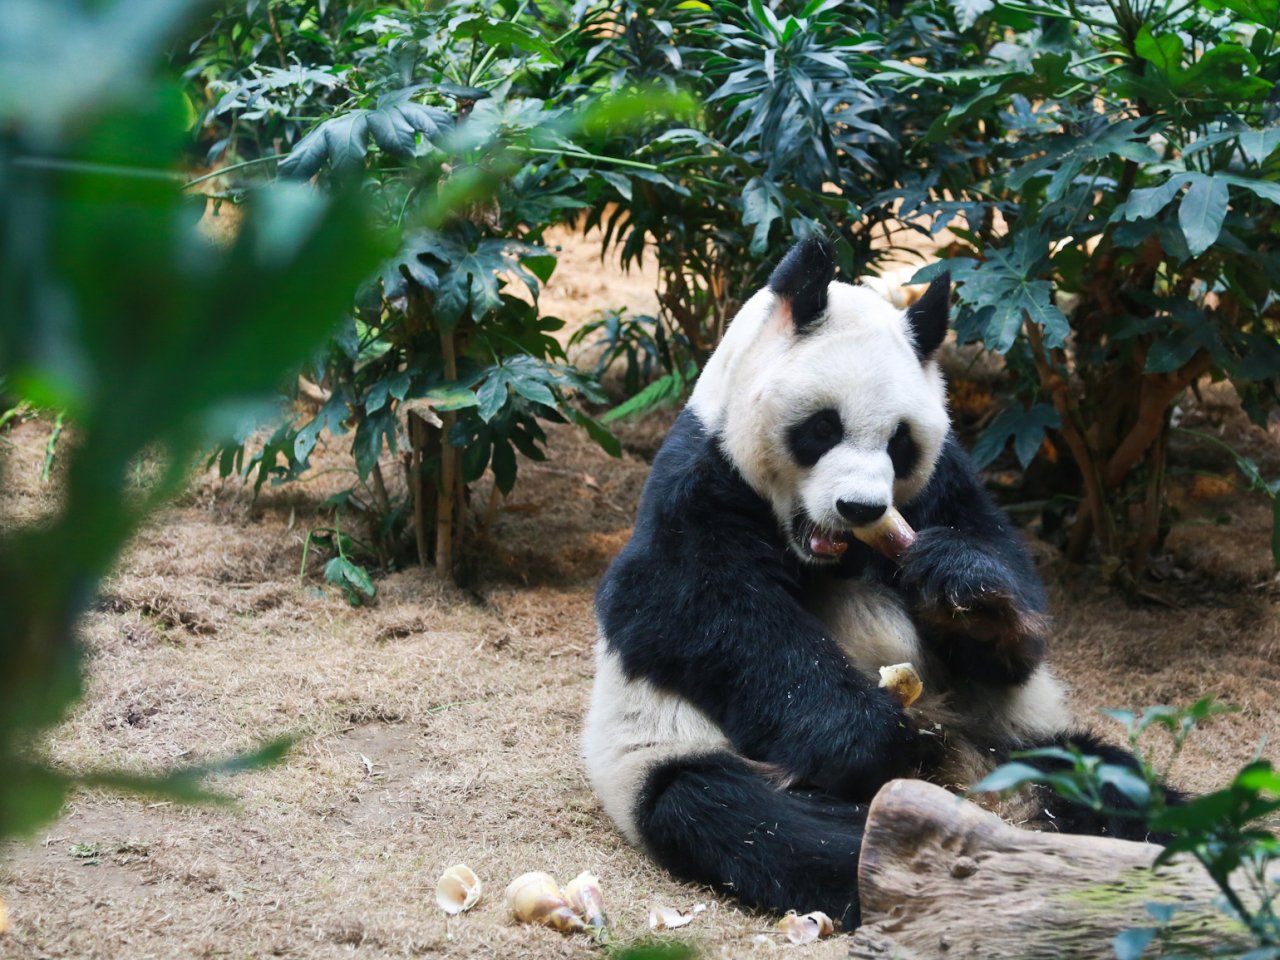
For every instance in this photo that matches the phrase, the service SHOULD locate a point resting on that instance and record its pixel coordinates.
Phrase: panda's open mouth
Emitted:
(817, 544)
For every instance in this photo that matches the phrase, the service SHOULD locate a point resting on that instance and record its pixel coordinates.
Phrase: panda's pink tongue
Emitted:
(825, 545)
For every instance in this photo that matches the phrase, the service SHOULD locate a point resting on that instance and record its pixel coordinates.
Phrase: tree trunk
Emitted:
(941, 877)
(424, 443)
(449, 502)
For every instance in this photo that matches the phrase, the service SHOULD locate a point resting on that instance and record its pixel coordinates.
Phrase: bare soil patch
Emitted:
(440, 725)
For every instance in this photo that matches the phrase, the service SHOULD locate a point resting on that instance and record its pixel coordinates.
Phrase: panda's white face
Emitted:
(832, 423)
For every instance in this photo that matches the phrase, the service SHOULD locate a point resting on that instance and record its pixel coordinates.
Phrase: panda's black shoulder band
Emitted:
(802, 278)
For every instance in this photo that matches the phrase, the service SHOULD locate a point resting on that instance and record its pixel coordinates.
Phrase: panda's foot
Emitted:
(973, 602)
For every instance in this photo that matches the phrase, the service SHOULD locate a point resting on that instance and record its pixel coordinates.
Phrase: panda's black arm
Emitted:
(713, 630)
(701, 603)
(975, 590)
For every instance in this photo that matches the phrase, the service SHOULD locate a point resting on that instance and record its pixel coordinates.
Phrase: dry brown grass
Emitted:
(440, 725)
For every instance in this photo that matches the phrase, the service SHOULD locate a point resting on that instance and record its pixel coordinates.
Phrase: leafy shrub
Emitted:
(447, 356)
(1115, 214)
(792, 140)
(1225, 831)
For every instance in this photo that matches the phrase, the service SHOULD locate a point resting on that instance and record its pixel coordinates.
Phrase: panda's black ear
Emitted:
(927, 317)
(800, 281)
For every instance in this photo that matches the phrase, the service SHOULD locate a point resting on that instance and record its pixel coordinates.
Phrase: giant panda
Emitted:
(736, 730)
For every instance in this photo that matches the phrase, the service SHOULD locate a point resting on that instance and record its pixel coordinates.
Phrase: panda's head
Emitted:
(827, 399)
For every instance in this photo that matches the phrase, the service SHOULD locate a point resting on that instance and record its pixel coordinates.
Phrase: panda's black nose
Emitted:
(860, 514)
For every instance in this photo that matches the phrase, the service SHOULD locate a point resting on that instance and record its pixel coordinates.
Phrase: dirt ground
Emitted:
(440, 724)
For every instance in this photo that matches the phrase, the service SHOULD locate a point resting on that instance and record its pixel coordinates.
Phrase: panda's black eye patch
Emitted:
(903, 451)
(813, 436)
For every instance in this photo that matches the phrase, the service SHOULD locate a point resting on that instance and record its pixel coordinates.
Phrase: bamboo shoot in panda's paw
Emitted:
(902, 680)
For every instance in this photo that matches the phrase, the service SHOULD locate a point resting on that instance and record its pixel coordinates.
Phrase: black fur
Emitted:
(976, 597)
(813, 436)
(903, 452)
(802, 279)
(715, 820)
(1067, 817)
(704, 602)
(928, 316)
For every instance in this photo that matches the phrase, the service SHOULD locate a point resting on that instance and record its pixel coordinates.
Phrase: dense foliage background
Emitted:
(1103, 171)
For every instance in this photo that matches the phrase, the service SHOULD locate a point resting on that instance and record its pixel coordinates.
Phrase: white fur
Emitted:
(857, 359)
(632, 727)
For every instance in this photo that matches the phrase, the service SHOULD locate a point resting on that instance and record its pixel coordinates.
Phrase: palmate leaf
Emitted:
(1070, 153)
(464, 277)
(1202, 210)
(1003, 293)
(1147, 202)
(343, 141)
(340, 142)
(494, 32)
(1025, 427)
(398, 121)
(968, 11)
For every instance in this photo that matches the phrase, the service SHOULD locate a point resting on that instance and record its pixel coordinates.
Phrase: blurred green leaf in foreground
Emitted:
(115, 309)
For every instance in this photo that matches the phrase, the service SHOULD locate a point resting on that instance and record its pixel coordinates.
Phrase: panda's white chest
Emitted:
(869, 624)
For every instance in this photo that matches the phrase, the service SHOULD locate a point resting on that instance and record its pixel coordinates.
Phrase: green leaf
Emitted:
(1127, 781)
(32, 796)
(498, 33)
(762, 204)
(1131, 944)
(1266, 189)
(446, 397)
(367, 443)
(541, 265)
(1070, 153)
(341, 142)
(532, 389)
(492, 395)
(1163, 52)
(355, 582)
(1259, 776)
(618, 181)
(968, 11)
(1258, 145)
(1025, 427)
(1149, 201)
(504, 466)
(1171, 352)
(470, 275)
(662, 392)
(598, 432)
(186, 785)
(1008, 776)
(398, 121)
(1200, 215)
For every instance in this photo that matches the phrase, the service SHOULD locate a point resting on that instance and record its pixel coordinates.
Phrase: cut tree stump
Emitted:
(941, 877)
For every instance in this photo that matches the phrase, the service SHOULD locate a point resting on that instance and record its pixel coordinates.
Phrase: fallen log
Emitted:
(942, 878)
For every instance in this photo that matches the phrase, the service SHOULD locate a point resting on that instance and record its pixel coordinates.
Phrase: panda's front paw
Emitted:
(964, 590)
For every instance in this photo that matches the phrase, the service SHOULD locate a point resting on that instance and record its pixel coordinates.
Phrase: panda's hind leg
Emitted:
(1068, 817)
(715, 819)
